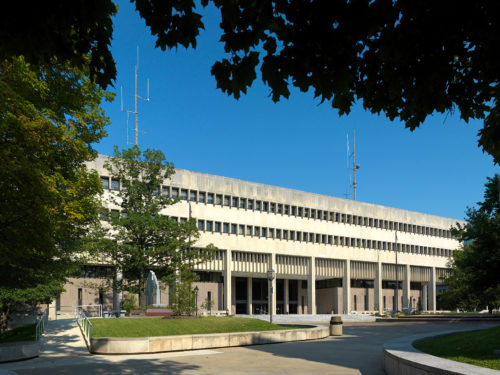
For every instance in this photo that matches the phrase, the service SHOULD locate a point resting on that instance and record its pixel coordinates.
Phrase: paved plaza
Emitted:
(359, 351)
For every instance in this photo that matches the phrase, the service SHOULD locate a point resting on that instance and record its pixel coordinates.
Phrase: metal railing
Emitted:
(40, 325)
(85, 325)
(94, 311)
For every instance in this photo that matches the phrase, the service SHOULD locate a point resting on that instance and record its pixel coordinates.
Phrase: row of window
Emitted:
(327, 239)
(284, 209)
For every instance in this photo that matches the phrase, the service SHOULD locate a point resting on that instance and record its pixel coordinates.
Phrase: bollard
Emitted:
(336, 326)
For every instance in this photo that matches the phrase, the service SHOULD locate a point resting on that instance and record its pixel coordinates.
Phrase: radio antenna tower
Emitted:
(135, 112)
(354, 165)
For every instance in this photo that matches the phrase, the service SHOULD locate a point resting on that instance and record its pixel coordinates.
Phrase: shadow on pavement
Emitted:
(360, 348)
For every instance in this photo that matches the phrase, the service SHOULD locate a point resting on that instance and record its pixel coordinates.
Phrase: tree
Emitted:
(68, 31)
(141, 237)
(474, 271)
(407, 59)
(49, 118)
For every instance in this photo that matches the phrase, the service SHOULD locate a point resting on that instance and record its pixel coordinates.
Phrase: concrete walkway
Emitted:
(61, 339)
(359, 351)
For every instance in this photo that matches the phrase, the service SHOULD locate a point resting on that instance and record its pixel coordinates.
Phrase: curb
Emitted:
(158, 344)
(400, 357)
(19, 351)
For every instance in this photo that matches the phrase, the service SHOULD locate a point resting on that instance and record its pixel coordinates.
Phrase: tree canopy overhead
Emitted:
(474, 271)
(407, 59)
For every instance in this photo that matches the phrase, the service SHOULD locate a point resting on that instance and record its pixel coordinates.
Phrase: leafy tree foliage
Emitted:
(49, 119)
(141, 238)
(182, 295)
(407, 59)
(13, 299)
(475, 271)
(68, 31)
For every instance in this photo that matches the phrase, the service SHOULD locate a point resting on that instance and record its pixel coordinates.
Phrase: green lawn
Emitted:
(475, 348)
(24, 333)
(143, 327)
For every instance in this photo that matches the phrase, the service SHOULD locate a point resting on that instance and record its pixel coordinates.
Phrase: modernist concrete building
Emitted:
(329, 254)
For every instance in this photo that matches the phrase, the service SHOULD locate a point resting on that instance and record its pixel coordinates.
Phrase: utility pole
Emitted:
(396, 287)
(135, 111)
(354, 165)
(135, 99)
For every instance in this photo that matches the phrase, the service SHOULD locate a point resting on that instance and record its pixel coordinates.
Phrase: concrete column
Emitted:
(424, 297)
(406, 286)
(272, 259)
(117, 295)
(286, 296)
(311, 287)
(432, 291)
(52, 310)
(346, 287)
(249, 296)
(227, 282)
(378, 305)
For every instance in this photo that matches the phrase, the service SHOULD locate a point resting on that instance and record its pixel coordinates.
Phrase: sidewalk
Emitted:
(62, 342)
(62, 338)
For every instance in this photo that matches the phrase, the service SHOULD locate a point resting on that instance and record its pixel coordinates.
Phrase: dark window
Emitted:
(210, 226)
(105, 182)
(227, 200)
(201, 197)
(192, 196)
(165, 191)
(225, 227)
(115, 184)
(250, 204)
(210, 198)
(184, 194)
(218, 199)
(217, 227)
(235, 202)
(175, 193)
(201, 225)
(233, 228)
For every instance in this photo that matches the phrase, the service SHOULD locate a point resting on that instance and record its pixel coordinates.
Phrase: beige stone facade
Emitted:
(329, 254)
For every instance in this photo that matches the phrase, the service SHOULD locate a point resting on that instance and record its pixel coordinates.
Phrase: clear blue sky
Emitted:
(296, 143)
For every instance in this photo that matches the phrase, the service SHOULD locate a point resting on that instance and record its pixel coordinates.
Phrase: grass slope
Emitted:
(143, 327)
(24, 333)
(475, 348)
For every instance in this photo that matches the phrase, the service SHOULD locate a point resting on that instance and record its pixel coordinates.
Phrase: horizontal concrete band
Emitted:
(129, 345)
(400, 357)
(19, 351)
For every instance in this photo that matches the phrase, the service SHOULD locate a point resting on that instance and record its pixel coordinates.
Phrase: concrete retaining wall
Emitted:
(18, 351)
(129, 345)
(400, 357)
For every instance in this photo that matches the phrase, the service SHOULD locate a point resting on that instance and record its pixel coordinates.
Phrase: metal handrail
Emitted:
(40, 325)
(85, 325)
(80, 307)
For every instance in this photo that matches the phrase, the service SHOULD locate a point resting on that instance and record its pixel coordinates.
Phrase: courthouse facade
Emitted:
(329, 254)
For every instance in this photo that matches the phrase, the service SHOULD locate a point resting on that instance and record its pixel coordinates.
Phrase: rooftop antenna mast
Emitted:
(354, 165)
(135, 112)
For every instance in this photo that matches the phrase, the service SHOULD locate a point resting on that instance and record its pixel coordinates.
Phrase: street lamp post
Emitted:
(396, 287)
(270, 277)
(196, 299)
